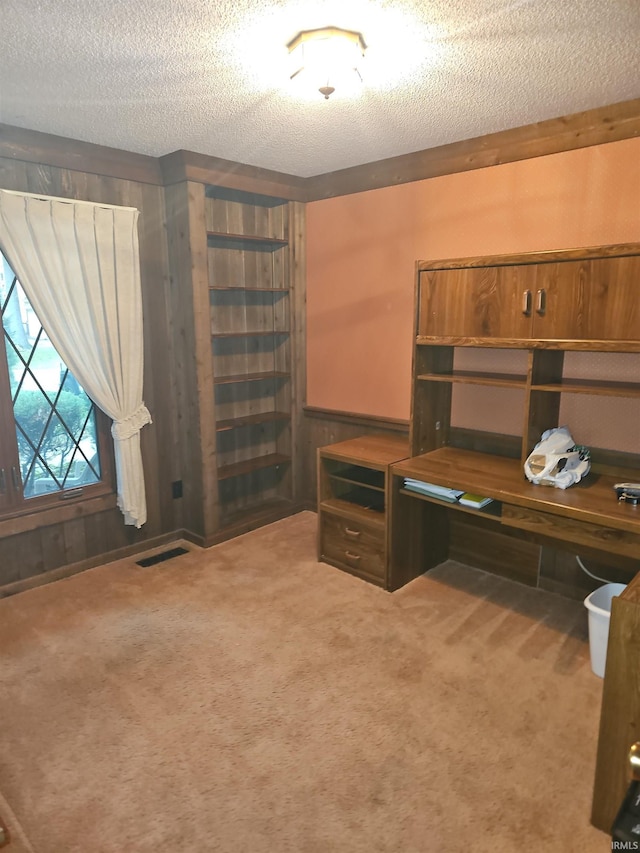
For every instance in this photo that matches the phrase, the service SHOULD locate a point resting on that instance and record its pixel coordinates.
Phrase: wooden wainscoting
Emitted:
(65, 536)
(51, 551)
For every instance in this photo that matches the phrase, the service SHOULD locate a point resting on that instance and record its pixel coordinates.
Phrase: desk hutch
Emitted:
(540, 312)
(517, 330)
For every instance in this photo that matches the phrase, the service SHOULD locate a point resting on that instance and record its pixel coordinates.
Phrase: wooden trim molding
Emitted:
(552, 256)
(188, 166)
(356, 419)
(17, 143)
(70, 511)
(580, 130)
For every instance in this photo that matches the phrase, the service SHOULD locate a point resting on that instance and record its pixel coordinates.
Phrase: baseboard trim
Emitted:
(150, 545)
(252, 521)
(194, 538)
(91, 563)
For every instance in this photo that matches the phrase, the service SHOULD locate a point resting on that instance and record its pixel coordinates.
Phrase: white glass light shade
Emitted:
(327, 59)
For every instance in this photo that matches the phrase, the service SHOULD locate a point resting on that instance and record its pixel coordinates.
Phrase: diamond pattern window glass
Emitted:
(55, 425)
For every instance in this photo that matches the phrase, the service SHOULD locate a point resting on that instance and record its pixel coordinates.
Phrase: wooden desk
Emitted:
(586, 515)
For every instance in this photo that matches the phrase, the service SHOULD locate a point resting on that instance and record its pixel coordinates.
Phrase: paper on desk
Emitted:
(432, 489)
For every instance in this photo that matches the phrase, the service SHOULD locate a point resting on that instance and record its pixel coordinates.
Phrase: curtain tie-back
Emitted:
(126, 427)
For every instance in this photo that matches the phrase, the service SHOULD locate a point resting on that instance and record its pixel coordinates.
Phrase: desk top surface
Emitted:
(369, 449)
(593, 500)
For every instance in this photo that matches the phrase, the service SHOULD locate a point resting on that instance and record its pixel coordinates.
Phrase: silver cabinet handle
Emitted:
(526, 303)
(3, 482)
(352, 534)
(541, 302)
(14, 478)
(355, 558)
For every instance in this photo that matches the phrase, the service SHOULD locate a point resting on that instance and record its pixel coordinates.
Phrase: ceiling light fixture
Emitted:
(327, 58)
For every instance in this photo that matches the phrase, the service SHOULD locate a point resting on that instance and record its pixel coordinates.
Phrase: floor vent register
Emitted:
(160, 558)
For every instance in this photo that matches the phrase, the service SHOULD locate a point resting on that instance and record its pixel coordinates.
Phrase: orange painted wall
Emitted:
(362, 248)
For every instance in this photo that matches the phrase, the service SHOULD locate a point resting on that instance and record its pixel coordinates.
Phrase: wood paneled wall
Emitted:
(190, 320)
(65, 540)
(83, 541)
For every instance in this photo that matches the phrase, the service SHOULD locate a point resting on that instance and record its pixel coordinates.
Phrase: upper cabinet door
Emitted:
(588, 300)
(477, 302)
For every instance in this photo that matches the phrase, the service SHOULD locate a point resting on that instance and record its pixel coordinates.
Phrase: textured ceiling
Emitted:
(210, 76)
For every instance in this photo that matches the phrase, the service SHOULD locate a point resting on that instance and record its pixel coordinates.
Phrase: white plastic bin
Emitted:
(598, 603)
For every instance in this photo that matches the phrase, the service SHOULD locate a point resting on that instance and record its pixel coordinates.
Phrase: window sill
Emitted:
(31, 520)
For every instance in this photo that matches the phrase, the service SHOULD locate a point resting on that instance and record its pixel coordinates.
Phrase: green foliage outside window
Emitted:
(54, 420)
(53, 433)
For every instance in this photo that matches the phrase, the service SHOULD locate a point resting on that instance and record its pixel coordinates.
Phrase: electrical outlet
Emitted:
(176, 489)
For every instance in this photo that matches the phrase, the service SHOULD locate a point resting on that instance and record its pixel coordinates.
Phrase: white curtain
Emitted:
(78, 263)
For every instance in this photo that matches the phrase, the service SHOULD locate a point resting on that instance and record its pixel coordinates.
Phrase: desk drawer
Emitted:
(571, 530)
(354, 545)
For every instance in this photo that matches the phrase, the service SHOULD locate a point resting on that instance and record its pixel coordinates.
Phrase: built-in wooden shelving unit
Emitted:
(237, 331)
(248, 269)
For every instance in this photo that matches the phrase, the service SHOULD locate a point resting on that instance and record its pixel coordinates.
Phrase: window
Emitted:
(53, 441)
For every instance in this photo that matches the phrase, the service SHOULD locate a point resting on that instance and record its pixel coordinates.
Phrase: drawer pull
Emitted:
(354, 558)
(541, 302)
(352, 534)
(526, 303)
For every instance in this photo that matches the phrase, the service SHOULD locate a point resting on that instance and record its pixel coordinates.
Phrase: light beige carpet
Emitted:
(246, 698)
